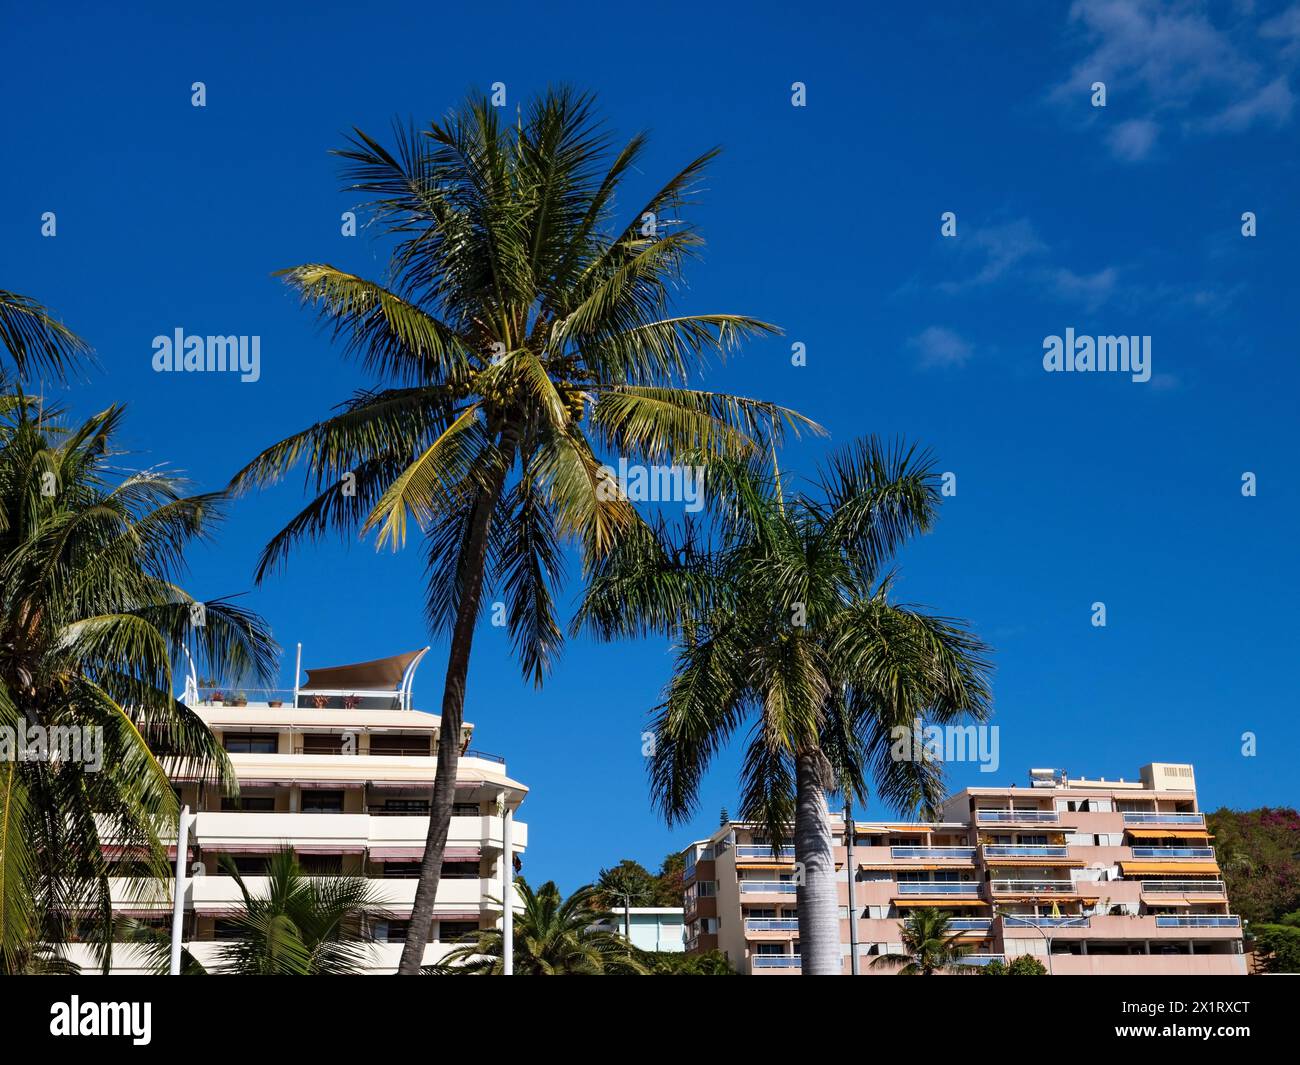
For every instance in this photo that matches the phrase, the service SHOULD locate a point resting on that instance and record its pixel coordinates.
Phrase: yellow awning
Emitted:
(1167, 868)
(764, 865)
(902, 864)
(1168, 833)
(947, 904)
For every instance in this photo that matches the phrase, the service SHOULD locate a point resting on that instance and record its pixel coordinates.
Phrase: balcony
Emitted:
(932, 852)
(1183, 887)
(1198, 920)
(1025, 850)
(1173, 852)
(771, 924)
(768, 887)
(1014, 920)
(980, 959)
(937, 887)
(756, 853)
(970, 924)
(777, 961)
(1018, 817)
(1163, 819)
(1034, 887)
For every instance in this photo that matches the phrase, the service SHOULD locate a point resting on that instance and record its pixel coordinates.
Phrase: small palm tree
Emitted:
(300, 926)
(783, 614)
(554, 936)
(92, 622)
(522, 330)
(929, 945)
(35, 339)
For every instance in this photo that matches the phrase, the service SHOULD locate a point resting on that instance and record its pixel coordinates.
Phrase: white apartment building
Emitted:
(340, 769)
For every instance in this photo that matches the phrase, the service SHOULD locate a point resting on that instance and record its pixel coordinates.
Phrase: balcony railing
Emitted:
(1183, 887)
(1034, 887)
(747, 850)
(932, 852)
(936, 887)
(1025, 850)
(771, 924)
(970, 924)
(980, 959)
(1131, 818)
(1036, 817)
(778, 887)
(1173, 852)
(1038, 921)
(777, 961)
(1198, 920)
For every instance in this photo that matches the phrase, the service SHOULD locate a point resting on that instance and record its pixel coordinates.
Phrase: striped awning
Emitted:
(946, 904)
(1169, 833)
(1167, 868)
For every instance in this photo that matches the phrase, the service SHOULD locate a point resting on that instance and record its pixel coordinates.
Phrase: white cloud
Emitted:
(1092, 290)
(1001, 248)
(1133, 140)
(939, 348)
(1168, 60)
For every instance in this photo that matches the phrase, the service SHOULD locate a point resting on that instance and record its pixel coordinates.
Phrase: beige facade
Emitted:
(1089, 876)
(347, 787)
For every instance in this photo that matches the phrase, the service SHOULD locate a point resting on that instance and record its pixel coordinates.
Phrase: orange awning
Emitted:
(961, 863)
(768, 865)
(1167, 868)
(948, 904)
(1168, 833)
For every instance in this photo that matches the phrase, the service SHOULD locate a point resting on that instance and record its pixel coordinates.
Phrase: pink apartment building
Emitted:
(1092, 877)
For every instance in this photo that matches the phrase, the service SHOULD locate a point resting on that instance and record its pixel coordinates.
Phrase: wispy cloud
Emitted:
(1173, 65)
(998, 250)
(940, 348)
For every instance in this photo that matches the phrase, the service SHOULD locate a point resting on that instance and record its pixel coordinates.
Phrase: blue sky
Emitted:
(825, 219)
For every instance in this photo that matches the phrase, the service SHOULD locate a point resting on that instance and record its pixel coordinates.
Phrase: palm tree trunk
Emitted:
(473, 566)
(818, 897)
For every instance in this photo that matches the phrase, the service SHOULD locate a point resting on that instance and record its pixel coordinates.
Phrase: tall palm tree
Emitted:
(929, 946)
(300, 926)
(35, 339)
(519, 330)
(626, 884)
(92, 620)
(783, 616)
(554, 936)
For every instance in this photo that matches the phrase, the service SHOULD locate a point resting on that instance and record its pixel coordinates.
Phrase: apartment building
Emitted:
(657, 928)
(340, 769)
(1092, 877)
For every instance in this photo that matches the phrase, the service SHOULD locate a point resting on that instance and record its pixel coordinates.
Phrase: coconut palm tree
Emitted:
(92, 620)
(519, 330)
(929, 946)
(554, 936)
(783, 616)
(35, 339)
(300, 926)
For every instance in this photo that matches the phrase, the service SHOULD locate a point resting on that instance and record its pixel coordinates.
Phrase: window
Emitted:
(395, 745)
(391, 931)
(464, 809)
(322, 743)
(226, 930)
(401, 870)
(411, 807)
(459, 870)
(322, 802)
(450, 931)
(251, 742)
(321, 864)
(264, 803)
(250, 864)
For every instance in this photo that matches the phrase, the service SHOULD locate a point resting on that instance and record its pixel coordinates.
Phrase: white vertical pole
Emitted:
(297, 673)
(178, 891)
(507, 893)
